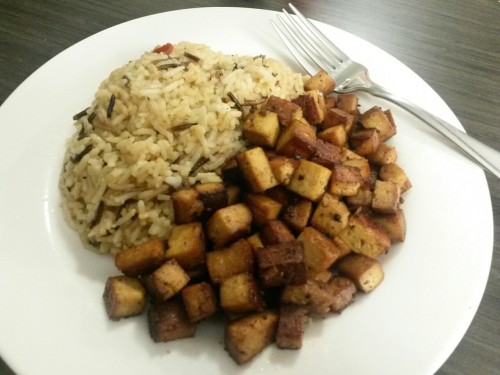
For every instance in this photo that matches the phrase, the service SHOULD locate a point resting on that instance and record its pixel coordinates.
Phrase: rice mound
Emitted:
(157, 124)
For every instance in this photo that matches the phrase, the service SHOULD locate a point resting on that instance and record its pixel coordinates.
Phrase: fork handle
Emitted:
(487, 157)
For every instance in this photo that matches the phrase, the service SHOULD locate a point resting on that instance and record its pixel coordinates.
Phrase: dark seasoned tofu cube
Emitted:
(314, 295)
(365, 141)
(256, 169)
(384, 154)
(363, 198)
(229, 261)
(345, 181)
(364, 271)
(186, 245)
(274, 232)
(229, 224)
(261, 129)
(231, 172)
(199, 301)
(320, 252)
(322, 82)
(124, 296)
(348, 102)
(282, 264)
(386, 197)
(213, 195)
(375, 118)
(297, 141)
(285, 109)
(263, 208)
(296, 215)
(283, 168)
(313, 106)
(336, 116)
(290, 329)
(169, 321)
(343, 291)
(335, 135)
(248, 336)
(240, 294)
(394, 173)
(141, 259)
(310, 180)
(166, 281)
(326, 154)
(330, 216)
(364, 169)
(394, 225)
(187, 205)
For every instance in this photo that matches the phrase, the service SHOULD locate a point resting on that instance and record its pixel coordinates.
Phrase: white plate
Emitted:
(52, 317)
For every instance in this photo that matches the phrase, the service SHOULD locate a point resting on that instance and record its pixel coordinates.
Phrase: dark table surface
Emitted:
(454, 45)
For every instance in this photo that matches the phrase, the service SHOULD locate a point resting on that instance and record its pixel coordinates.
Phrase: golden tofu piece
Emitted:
(274, 232)
(169, 321)
(363, 198)
(199, 301)
(229, 224)
(336, 116)
(296, 215)
(364, 142)
(345, 180)
(363, 236)
(187, 205)
(375, 118)
(285, 109)
(124, 296)
(386, 197)
(290, 329)
(330, 101)
(310, 180)
(186, 245)
(330, 216)
(256, 169)
(364, 271)
(394, 225)
(313, 106)
(335, 135)
(262, 129)
(240, 294)
(394, 173)
(348, 102)
(364, 169)
(166, 281)
(248, 336)
(263, 208)
(314, 295)
(213, 195)
(343, 291)
(326, 154)
(283, 168)
(297, 141)
(141, 259)
(322, 82)
(255, 241)
(320, 252)
(384, 154)
(229, 261)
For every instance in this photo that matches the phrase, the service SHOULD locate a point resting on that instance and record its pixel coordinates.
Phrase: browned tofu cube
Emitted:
(229, 224)
(394, 225)
(169, 321)
(335, 135)
(283, 168)
(240, 294)
(320, 252)
(330, 216)
(364, 169)
(263, 208)
(322, 82)
(363, 198)
(296, 215)
(124, 296)
(386, 197)
(199, 301)
(186, 245)
(297, 141)
(375, 118)
(313, 106)
(274, 232)
(231, 172)
(348, 102)
(330, 102)
(256, 169)
(282, 264)
(310, 180)
(233, 194)
(255, 241)
(313, 295)
(336, 116)
(187, 205)
(363, 236)
(166, 281)
(213, 195)
(394, 173)
(290, 329)
(248, 336)
(364, 142)
(344, 249)
(345, 181)
(364, 271)
(384, 154)
(141, 259)
(343, 291)
(285, 109)
(282, 195)
(326, 154)
(229, 261)
(262, 129)
(347, 154)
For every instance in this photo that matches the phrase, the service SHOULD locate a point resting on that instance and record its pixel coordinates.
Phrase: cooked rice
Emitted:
(171, 125)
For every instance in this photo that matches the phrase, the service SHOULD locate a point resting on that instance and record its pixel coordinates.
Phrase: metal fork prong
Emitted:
(337, 53)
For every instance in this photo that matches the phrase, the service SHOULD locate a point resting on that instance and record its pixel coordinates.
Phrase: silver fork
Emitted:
(314, 51)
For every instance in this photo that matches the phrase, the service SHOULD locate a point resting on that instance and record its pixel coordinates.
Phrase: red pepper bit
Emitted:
(166, 48)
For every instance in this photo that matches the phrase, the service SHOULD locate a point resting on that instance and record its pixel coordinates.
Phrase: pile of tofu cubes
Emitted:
(294, 231)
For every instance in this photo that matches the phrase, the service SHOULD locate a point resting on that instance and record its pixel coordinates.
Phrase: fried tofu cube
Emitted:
(233, 194)
(343, 291)
(283, 168)
(166, 281)
(169, 321)
(313, 106)
(240, 294)
(384, 154)
(347, 154)
(310, 180)
(274, 232)
(363, 198)
(330, 216)
(187, 205)
(320, 252)
(386, 197)
(366, 272)
(330, 102)
(263, 208)
(255, 241)
(229, 224)
(296, 215)
(248, 336)
(290, 329)
(229, 261)
(363, 236)
(364, 169)
(285, 109)
(394, 173)
(262, 129)
(322, 82)
(199, 301)
(124, 296)
(141, 259)
(336, 116)
(345, 181)
(375, 118)
(364, 142)
(297, 141)
(256, 169)
(335, 135)
(213, 195)
(394, 225)
(348, 102)
(282, 264)
(231, 172)
(186, 245)
(326, 154)
(314, 295)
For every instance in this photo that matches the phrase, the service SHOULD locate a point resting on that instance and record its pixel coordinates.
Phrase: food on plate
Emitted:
(285, 219)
